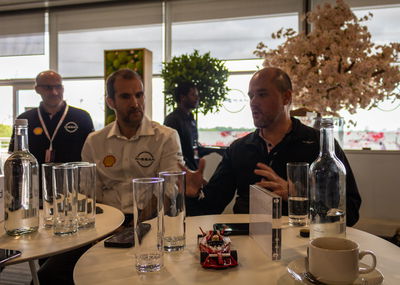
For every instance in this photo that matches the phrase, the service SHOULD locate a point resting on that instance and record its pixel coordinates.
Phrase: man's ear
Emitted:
(287, 97)
(110, 103)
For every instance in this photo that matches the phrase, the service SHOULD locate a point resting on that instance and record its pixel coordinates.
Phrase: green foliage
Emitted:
(5, 131)
(207, 73)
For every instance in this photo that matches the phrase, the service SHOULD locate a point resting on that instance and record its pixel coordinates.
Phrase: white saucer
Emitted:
(297, 268)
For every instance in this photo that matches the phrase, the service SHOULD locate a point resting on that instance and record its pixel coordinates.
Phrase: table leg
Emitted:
(35, 278)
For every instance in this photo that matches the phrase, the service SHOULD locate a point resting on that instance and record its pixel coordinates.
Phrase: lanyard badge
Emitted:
(50, 152)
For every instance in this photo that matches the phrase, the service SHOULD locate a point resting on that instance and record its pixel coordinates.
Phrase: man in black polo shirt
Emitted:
(181, 119)
(261, 157)
(56, 131)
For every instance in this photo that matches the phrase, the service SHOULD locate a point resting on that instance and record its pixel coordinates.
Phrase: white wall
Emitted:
(378, 179)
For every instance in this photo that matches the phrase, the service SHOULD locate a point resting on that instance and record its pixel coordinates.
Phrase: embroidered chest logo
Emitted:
(38, 131)
(145, 159)
(71, 127)
(109, 160)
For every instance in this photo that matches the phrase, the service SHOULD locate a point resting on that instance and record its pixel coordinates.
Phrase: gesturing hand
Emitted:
(272, 181)
(194, 179)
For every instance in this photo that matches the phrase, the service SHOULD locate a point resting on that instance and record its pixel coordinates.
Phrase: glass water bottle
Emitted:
(21, 185)
(327, 188)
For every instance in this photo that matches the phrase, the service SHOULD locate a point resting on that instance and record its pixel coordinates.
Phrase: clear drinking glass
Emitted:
(47, 191)
(148, 212)
(297, 177)
(174, 209)
(86, 183)
(65, 199)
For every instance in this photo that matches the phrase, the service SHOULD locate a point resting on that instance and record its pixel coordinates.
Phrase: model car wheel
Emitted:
(234, 255)
(203, 256)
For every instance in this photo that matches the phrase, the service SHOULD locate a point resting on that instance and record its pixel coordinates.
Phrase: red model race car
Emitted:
(215, 250)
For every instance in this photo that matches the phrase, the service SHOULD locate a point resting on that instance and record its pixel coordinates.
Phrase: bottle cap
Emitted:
(21, 122)
(305, 233)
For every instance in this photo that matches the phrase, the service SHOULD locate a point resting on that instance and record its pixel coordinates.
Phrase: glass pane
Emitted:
(158, 100)
(81, 53)
(229, 39)
(13, 67)
(27, 99)
(87, 95)
(6, 117)
(377, 128)
(234, 120)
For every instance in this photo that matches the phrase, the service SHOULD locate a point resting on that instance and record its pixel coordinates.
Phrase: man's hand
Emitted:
(272, 181)
(194, 179)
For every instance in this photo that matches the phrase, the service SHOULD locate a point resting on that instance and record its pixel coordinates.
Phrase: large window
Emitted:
(229, 29)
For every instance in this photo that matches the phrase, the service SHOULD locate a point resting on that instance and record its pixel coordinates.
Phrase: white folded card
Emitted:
(265, 220)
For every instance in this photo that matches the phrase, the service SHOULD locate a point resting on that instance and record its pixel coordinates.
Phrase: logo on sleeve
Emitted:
(109, 160)
(71, 127)
(145, 159)
(38, 131)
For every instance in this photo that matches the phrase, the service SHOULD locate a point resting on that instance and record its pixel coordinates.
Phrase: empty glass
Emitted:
(86, 183)
(65, 199)
(174, 210)
(148, 213)
(47, 191)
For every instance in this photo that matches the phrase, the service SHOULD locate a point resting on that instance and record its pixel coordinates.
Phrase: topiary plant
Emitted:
(207, 73)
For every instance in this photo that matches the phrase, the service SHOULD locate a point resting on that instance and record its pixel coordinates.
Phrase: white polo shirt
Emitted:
(154, 148)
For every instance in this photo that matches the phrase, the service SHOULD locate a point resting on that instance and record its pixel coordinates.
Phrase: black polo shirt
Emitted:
(186, 127)
(69, 139)
(236, 171)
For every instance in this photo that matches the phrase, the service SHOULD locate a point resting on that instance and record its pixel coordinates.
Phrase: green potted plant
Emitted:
(207, 73)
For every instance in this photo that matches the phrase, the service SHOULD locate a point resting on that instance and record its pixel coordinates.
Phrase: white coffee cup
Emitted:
(335, 260)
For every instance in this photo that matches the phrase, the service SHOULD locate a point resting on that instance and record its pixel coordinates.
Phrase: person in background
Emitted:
(56, 130)
(56, 133)
(181, 119)
(133, 146)
(261, 157)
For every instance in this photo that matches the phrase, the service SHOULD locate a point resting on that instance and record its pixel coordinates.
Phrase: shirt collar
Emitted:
(43, 111)
(145, 129)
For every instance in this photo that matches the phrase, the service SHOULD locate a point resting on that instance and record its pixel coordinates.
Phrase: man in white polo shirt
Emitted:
(133, 146)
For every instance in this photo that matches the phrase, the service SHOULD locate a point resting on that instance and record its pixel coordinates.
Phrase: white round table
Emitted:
(112, 266)
(44, 243)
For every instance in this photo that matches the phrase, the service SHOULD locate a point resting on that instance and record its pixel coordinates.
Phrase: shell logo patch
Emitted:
(38, 131)
(109, 160)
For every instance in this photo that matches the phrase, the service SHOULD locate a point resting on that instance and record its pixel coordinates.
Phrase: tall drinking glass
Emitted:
(86, 183)
(297, 177)
(65, 199)
(148, 212)
(174, 209)
(47, 191)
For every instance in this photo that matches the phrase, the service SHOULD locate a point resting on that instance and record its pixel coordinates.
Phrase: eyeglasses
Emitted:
(51, 87)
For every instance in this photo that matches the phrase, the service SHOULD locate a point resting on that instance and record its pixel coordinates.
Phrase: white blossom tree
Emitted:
(336, 65)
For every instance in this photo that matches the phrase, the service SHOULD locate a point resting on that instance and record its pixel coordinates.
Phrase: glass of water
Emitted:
(174, 210)
(297, 178)
(148, 213)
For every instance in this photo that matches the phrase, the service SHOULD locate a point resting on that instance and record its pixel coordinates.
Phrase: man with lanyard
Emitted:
(56, 131)
(261, 157)
(133, 146)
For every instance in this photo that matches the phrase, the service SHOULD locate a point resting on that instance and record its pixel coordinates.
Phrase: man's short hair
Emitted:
(282, 81)
(125, 73)
(182, 89)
